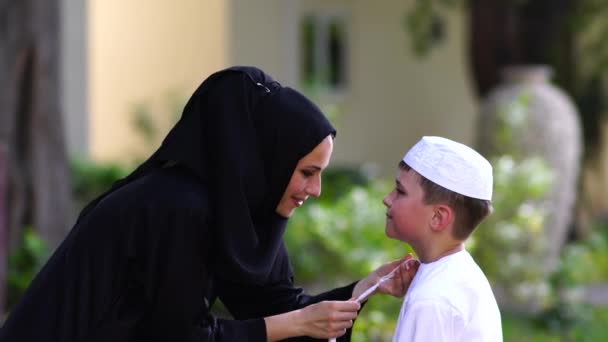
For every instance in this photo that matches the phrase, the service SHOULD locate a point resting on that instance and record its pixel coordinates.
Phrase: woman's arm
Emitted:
(283, 304)
(288, 311)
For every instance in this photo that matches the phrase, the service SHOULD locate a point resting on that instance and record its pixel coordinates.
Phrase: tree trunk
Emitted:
(3, 241)
(493, 42)
(504, 33)
(50, 169)
(38, 191)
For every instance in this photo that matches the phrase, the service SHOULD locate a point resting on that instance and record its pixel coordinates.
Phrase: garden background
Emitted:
(89, 88)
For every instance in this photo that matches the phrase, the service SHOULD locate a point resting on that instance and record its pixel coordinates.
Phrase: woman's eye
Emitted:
(400, 192)
(307, 173)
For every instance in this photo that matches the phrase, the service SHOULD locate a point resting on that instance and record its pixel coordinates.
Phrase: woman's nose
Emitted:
(314, 187)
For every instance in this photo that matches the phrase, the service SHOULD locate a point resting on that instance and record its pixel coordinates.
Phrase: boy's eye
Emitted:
(399, 191)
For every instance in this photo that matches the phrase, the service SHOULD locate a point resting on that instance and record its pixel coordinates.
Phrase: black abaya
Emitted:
(147, 259)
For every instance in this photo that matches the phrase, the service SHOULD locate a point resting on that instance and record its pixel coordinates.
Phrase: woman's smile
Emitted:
(298, 201)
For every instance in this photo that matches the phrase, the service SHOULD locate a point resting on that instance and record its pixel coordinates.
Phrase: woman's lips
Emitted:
(298, 201)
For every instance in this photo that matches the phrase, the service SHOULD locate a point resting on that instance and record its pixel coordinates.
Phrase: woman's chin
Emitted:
(285, 212)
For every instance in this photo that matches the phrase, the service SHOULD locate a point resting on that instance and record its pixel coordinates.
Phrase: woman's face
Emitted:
(306, 178)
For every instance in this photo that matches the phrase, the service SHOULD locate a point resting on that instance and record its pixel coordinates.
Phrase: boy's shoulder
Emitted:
(456, 296)
(455, 280)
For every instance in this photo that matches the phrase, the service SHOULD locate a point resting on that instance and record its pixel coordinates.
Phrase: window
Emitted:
(323, 61)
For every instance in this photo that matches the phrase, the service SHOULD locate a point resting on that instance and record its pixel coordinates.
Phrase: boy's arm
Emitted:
(428, 320)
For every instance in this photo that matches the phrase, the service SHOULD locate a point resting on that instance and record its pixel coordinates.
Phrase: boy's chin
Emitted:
(390, 233)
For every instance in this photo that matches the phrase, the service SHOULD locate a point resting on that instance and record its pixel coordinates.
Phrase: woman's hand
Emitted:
(396, 286)
(326, 319)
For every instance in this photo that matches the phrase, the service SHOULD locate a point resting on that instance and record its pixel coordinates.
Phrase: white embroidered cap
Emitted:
(452, 165)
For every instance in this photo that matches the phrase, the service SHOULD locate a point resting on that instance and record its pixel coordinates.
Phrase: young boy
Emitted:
(443, 191)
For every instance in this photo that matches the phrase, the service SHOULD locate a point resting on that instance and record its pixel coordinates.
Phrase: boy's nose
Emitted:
(386, 201)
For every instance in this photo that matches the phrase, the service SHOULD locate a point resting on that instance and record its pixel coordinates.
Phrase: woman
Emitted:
(202, 218)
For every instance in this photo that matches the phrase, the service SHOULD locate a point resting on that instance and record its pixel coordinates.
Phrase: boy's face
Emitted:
(407, 217)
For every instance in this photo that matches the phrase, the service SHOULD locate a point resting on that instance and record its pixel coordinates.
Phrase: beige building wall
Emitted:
(392, 98)
(140, 51)
(258, 32)
(396, 98)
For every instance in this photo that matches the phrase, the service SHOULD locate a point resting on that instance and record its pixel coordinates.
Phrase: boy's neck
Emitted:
(435, 251)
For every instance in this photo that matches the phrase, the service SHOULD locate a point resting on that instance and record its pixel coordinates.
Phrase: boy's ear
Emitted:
(443, 216)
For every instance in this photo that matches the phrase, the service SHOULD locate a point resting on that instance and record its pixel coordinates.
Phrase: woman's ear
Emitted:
(443, 216)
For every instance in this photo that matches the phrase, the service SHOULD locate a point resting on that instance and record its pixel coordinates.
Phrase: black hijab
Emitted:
(242, 133)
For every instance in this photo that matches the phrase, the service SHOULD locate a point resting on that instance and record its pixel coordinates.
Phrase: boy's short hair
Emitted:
(468, 211)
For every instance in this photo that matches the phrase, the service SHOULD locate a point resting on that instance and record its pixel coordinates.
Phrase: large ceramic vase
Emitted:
(543, 122)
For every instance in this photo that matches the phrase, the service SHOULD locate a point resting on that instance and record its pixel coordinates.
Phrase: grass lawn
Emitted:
(522, 329)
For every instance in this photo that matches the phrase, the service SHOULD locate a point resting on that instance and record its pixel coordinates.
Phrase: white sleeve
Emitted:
(428, 320)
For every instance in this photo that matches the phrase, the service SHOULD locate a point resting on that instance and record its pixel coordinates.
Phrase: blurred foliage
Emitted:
(425, 20)
(512, 118)
(341, 180)
(512, 236)
(518, 328)
(355, 223)
(150, 122)
(91, 179)
(586, 261)
(23, 264)
(515, 234)
(582, 263)
(588, 22)
(577, 50)
(425, 24)
(144, 123)
(340, 239)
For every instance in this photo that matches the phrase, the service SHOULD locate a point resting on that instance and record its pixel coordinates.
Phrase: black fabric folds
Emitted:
(142, 259)
(243, 133)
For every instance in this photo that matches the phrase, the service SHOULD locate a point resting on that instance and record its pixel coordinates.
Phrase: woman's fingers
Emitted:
(330, 318)
(397, 286)
(388, 267)
(342, 310)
